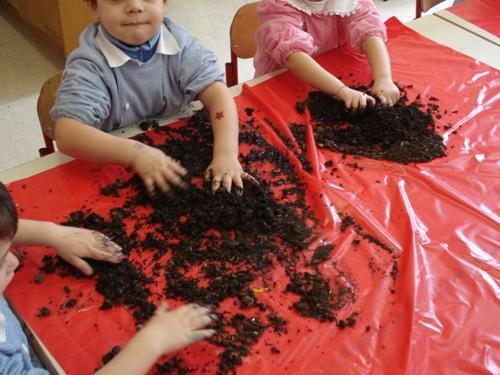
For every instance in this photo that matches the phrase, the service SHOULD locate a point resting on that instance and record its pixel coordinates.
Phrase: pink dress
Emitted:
(284, 30)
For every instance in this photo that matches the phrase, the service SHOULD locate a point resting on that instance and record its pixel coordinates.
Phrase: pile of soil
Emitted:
(197, 246)
(404, 133)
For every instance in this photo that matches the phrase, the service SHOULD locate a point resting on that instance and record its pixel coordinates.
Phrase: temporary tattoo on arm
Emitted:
(219, 115)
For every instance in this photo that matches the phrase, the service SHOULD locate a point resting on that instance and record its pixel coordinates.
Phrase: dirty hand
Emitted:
(386, 91)
(157, 169)
(73, 244)
(171, 330)
(226, 170)
(355, 101)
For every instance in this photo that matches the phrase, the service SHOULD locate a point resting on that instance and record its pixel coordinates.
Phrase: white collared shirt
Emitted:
(167, 45)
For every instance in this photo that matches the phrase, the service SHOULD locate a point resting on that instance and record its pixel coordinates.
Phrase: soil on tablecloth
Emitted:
(404, 133)
(207, 248)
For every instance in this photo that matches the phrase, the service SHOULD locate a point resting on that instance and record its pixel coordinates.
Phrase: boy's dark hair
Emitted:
(8, 215)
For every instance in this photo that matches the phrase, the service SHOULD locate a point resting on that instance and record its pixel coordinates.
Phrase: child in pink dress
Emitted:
(292, 31)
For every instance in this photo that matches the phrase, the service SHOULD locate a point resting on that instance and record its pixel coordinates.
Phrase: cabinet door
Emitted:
(45, 16)
(22, 6)
(74, 16)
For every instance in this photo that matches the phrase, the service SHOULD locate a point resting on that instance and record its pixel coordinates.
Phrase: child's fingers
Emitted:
(200, 335)
(149, 184)
(176, 167)
(238, 184)
(348, 103)
(106, 244)
(81, 265)
(99, 254)
(159, 180)
(370, 101)
(383, 100)
(216, 183)
(227, 182)
(201, 321)
(362, 103)
(163, 308)
(355, 105)
(248, 177)
(193, 310)
(172, 177)
(208, 174)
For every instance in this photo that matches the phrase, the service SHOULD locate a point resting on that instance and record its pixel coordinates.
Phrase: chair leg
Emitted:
(49, 146)
(234, 63)
(418, 10)
(232, 71)
(229, 75)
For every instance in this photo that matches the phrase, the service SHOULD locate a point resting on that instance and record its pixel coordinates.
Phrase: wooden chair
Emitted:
(45, 102)
(425, 5)
(242, 39)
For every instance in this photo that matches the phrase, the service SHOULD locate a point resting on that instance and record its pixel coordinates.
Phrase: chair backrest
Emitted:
(425, 5)
(242, 39)
(242, 32)
(45, 102)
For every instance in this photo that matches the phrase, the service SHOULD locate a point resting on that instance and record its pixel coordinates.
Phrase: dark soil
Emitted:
(404, 133)
(196, 246)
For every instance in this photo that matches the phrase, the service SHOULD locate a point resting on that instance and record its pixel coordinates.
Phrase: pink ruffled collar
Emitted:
(331, 7)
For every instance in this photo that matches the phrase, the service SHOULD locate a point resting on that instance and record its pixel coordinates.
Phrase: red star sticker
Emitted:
(219, 115)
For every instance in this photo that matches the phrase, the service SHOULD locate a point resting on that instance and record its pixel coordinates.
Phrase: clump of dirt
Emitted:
(300, 152)
(348, 221)
(404, 133)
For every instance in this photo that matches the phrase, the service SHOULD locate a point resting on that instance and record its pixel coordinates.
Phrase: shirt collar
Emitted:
(167, 45)
(330, 7)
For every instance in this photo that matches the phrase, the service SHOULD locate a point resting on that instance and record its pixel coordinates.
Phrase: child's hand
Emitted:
(73, 244)
(355, 101)
(386, 91)
(225, 171)
(172, 330)
(157, 169)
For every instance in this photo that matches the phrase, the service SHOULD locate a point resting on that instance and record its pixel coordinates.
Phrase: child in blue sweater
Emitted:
(134, 63)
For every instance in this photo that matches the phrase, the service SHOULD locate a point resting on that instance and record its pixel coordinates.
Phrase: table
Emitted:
(448, 279)
(448, 29)
(464, 24)
(478, 16)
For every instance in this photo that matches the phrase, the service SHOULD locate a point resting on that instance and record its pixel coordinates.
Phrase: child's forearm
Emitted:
(217, 99)
(135, 358)
(306, 69)
(378, 57)
(87, 143)
(34, 232)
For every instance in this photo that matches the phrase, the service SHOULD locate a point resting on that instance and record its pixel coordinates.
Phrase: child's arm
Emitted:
(225, 168)
(308, 70)
(72, 244)
(383, 86)
(166, 332)
(85, 142)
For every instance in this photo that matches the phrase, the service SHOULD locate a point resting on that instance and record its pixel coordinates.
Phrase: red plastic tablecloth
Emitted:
(442, 217)
(482, 13)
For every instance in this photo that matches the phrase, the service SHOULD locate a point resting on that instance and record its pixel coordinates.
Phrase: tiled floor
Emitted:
(27, 62)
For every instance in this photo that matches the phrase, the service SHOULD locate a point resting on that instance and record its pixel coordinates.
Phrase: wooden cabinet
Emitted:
(59, 21)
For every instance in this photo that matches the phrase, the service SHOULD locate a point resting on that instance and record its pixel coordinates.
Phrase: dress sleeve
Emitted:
(281, 31)
(366, 22)
(82, 95)
(198, 69)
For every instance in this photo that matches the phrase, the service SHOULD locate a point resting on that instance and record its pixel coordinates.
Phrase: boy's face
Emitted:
(8, 264)
(131, 21)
